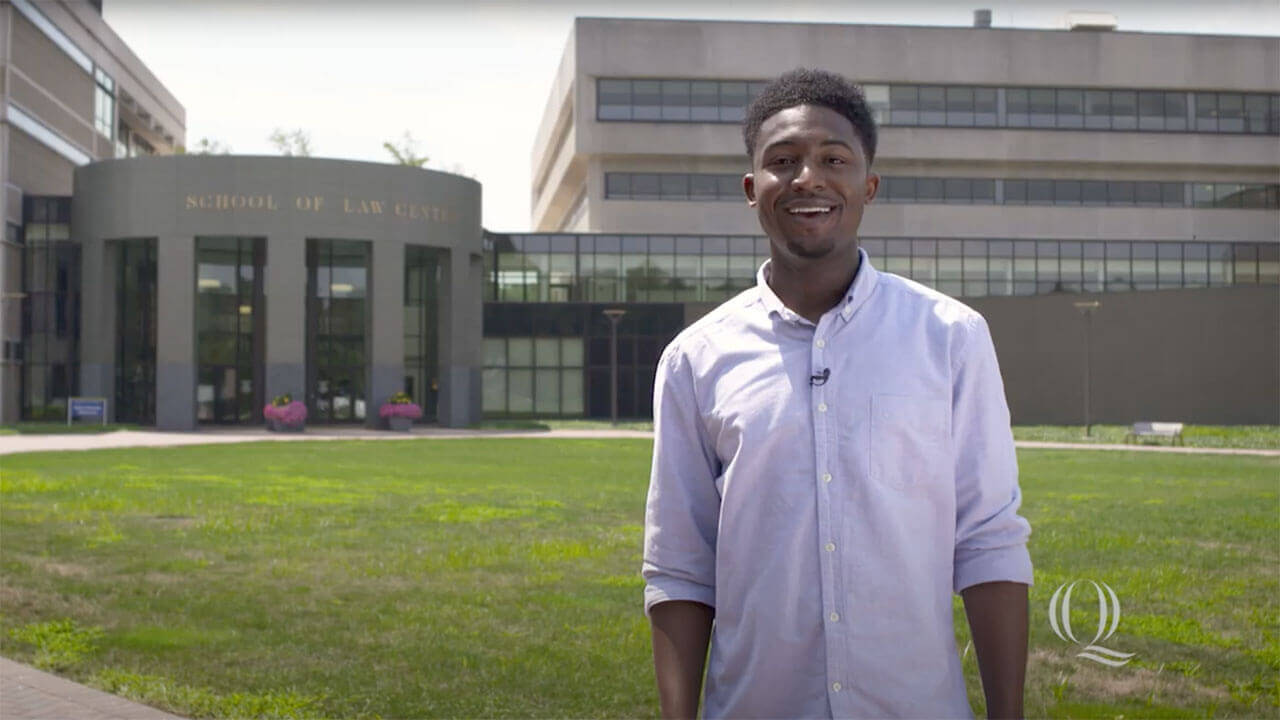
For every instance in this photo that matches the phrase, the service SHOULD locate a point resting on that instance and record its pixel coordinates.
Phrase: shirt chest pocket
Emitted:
(908, 440)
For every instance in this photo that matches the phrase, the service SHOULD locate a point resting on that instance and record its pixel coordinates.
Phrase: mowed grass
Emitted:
(486, 577)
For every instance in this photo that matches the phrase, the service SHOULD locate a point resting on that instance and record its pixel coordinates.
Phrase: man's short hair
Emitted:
(803, 86)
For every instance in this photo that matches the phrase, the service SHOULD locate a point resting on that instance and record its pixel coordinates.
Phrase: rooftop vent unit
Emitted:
(982, 18)
(1084, 20)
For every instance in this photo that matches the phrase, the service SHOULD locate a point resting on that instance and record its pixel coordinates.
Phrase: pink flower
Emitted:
(401, 410)
(295, 413)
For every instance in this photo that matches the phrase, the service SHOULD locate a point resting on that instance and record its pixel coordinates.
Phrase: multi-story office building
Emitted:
(73, 93)
(1061, 164)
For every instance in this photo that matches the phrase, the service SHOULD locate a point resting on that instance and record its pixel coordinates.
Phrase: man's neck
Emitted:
(811, 288)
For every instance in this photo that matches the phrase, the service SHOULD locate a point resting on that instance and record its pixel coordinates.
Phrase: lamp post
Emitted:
(614, 315)
(1087, 308)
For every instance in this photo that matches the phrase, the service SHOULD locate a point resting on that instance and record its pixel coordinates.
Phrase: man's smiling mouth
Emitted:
(810, 210)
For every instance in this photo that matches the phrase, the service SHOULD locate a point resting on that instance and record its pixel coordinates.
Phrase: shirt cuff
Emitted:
(1006, 564)
(666, 589)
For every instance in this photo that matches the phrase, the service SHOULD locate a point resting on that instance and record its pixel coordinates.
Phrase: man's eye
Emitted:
(781, 161)
(837, 161)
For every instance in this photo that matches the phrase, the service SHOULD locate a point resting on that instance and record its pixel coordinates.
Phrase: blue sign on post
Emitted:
(87, 408)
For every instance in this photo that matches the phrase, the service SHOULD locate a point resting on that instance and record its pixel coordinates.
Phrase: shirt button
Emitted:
(830, 547)
(835, 617)
(822, 407)
(836, 686)
(826, 477)
(821, 343)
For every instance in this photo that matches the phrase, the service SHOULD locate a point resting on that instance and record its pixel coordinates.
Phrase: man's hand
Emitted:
(997, 614)
(681, 631)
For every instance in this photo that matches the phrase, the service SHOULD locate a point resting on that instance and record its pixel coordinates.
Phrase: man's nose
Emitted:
(808, 176)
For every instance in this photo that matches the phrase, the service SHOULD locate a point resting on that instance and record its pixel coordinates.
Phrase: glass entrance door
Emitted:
(337, 330)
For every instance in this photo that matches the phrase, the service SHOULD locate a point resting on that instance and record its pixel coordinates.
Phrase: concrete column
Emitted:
(385, 373)
(286, 300)
(460, 338)
(175, 333)
(98, 322)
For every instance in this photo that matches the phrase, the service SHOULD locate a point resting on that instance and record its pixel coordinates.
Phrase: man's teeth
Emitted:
(809, 210)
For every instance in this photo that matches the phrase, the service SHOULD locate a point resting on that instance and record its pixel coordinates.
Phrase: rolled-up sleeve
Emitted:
(991, 537)
(683, 509)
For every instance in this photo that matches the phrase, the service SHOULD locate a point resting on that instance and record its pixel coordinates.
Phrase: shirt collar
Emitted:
(864, 282)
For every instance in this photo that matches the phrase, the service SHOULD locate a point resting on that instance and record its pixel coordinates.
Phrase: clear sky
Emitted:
(470, 79)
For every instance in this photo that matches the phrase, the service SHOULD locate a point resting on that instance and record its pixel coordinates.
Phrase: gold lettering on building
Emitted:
(361, 207)
(313, 203)
(224, 201)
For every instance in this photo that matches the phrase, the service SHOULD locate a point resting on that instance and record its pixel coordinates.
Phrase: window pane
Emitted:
(1202, 195)
(903, 105)
(1120, 193)
(547, 391)
(984, 192)
(1150, 110)
(1097, 104)
(960, 106)
(617, 185)
(956, 190)
(1042, 107)
(646, 96)
(520, 391)
(733, 101)
(645, 186)
(1017, 107)
(705, 98)
(984, 107)
(1171, 194)
(1124, 110)
(929, 189)
(900, 189)
(613, 99)
(1070, 109)
(675, 100)
(1206, 112)
(1015, 192)
(1066, 192)
(933, 106)
(1039, 192)
(1255, 113)
(702, 187)
(1175, 111)
(1093, 192)
(674, 186)
(1147, 193)
(1230, 112)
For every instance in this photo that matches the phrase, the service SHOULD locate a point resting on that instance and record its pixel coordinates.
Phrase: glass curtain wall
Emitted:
(421, 327)
(135, 381)
(50, 309)
(230, 329)
(337, 330)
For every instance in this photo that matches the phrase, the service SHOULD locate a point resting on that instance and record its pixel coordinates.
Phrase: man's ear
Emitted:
(873, 186)
(749, 188)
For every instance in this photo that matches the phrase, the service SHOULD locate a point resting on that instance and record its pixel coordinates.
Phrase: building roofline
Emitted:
(1157, 33)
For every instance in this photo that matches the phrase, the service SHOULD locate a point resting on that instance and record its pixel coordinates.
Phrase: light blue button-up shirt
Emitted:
(828, 523)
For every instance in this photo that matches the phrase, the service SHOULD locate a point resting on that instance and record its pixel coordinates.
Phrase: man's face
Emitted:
(809, 183)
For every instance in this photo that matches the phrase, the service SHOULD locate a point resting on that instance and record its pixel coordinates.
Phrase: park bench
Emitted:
(1156, 430)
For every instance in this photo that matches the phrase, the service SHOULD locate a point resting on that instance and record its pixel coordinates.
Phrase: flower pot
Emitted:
(281, 426)
(400, 424)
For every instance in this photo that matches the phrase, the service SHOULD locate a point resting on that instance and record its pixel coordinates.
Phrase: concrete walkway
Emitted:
(10, 444)
(30, 694)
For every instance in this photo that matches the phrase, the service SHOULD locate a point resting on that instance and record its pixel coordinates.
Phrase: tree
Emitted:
(294, 142)
(210, 147)
(405, 151)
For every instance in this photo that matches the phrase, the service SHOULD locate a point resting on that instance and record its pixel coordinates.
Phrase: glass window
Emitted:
(617, 185)
(1040, 192)
(1047, 267)
(1070, 109)
(646, 96)
(929, 190)
(900, 189)
(984, 192)
(1151, 111)
(1148, 193)
(984, 107)
(1144, 266)
(1202, 195)
(904, 108)
(1093, 266)
(1175, 111)
(733, 101)
(1120, 193)
(975, 268)
(336, 329)
(1066, 192)
(1015, 192)
(1119, 270)
(1171, 194)
(676, 100)
(957, 191)
(230, 329)
(1093, 192)
(645, 186)
(104, 103)
(1206, 112)
(705, 99)
(1226, 195)
(1169, 265)
(702, 187)
(1017, 107)
(1097, 107)
(613, 101)
(878, 99)
(674, 186)
(1255, 113)
(729, 187)
(933, 106)
(1043, 105)
(1124, 110)
(960, 106)
(1195, 265)
(1230, 112)
(1069, 272)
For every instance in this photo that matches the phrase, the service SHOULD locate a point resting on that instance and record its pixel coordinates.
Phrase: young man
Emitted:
(833, 460)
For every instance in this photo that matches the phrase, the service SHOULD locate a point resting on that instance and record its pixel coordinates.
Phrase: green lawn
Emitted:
(1266, 437)
(499, 578)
